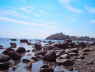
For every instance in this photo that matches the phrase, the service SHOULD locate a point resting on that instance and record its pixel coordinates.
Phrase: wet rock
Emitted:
(13, 39)
(45, 68)
(1, 47)
(13, 45)
(50, 56)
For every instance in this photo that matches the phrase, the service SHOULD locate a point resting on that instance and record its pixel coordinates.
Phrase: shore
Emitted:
(88, 63)
(82, 54)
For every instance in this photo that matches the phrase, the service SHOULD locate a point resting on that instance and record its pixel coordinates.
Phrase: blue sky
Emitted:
(40, 18)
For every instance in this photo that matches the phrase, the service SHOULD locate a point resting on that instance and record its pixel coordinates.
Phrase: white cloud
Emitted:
(40, 13)
(90, 9)
(74, 10)
(68, 6)
(12, 13)
(43, 11)
(11, 20)
(27, 9)
(33, 11)
(24, 12)
(6, 19)
(65, 1)
(41, 29)
(92, 21)
(9, 13)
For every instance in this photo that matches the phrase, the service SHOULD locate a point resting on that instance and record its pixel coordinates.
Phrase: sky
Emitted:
(41, 18)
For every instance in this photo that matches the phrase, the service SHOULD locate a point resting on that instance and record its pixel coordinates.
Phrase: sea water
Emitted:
(36, 66)
(6, 43)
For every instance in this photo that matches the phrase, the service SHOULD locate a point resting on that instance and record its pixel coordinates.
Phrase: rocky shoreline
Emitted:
(83, 56)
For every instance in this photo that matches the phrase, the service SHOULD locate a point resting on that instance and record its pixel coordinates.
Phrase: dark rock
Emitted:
(61, 36)
(1, 47)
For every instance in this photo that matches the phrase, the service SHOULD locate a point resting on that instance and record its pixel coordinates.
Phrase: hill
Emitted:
(61, 36)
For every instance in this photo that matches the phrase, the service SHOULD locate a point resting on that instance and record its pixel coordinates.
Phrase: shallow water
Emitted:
(36, 66)
(21, 66)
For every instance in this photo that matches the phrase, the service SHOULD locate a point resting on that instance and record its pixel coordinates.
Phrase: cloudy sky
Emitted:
(40, 18)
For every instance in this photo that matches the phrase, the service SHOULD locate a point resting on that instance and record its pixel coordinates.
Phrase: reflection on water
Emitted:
(21, 66)
(36, 66)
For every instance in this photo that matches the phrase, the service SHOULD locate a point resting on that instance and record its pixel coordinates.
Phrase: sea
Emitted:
(36, 66)
(5, 42)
